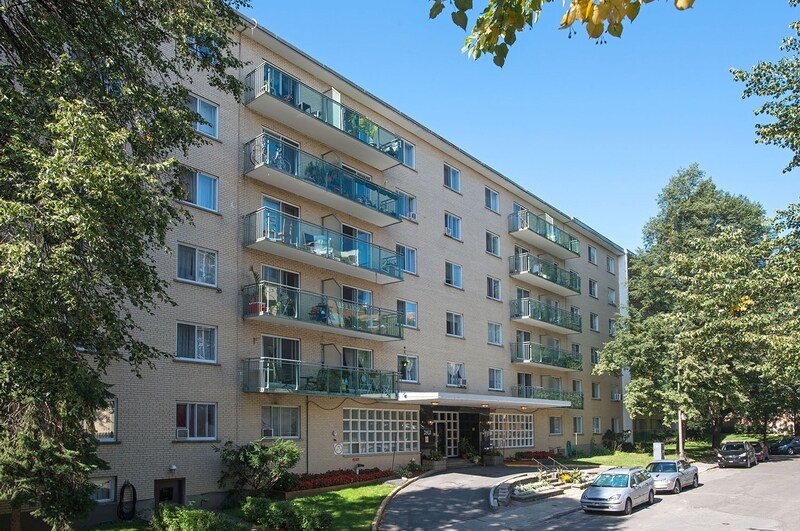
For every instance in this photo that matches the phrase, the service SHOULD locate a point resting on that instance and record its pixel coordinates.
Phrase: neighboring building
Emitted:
(408, 296)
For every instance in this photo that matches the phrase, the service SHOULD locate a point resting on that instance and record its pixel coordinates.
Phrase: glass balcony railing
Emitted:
(540, 311)
(524, 219)
(535, 353)
(263, 375)
(265, 150)
(266, 223)
(526, 391)
(267, 79)
(527, 263)
(290, 303)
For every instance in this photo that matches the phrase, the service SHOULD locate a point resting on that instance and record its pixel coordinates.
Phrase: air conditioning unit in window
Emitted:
(448, 231)
(461, 382)
(412, 215)
(616, 397)
(181, 433)
(266, 432)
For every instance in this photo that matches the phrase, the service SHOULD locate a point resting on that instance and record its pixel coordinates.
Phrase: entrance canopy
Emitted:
(435, 398)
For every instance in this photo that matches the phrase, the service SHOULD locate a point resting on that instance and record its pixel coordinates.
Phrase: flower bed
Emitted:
(534, 455)
(533, 486)
(333, 478)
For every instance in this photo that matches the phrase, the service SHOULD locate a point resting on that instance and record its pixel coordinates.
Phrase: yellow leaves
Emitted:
(680, 5)
(607, 15)
(744, 303)
(632, 10)
(594, 30)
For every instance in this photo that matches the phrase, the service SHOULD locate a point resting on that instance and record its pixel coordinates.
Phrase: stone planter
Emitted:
(492, 460)
(441, 464)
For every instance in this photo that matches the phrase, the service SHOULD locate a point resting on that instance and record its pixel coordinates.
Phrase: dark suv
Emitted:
(736, 453)
(787, 445)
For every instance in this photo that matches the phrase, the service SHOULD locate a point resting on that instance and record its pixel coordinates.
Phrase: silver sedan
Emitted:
(673, 474)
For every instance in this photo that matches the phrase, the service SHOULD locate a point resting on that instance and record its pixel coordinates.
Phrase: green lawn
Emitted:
(352, 508)
(137, 525)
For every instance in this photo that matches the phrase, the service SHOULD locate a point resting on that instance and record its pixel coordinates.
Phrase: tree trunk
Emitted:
(764, 426)
(716, 432)
(16, 519)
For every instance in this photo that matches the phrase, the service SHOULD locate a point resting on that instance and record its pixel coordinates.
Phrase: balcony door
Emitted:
(360, 363)
(525, 384)
(286, 285)
(280, 151)
(278, 226)
(279, 362)
(357, 246)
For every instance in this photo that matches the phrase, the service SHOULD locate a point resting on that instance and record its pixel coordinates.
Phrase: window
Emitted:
(610, 265)
(594, 322)
(377, 431)
(493, 288)
(202, 46)
(197, 342)
(455, 324)
(555, 425)
(576, 349)
(596, 427)
(616, 396)
(491, 200)
(208, 112)
(615, 425)
(105, 423)
(357, 296)
(452, 178)
(409, 255)
(452, 274)
(511, 430)
(197, 265)
(280, 421)
(356, 173)
(495, 379)
(495, 335)
(592, 288)
(612, 297)
(106, 489)
(577, 425)
(452, 225)
(577, 386)
(196, 421)
(595, 391)
(492, 243)
(595, 356)
(357, 357)
(199, 189)
(407, 313)
(408, 154)
(592, 255)
(407, 205)
(612, 327)
(455, 374)
(407, 368)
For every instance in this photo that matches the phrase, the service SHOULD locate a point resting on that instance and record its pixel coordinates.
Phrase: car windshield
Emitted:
(732, 447)
(662, 467)
(611, 480)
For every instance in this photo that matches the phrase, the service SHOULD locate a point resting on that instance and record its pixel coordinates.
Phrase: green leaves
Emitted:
(460, 19)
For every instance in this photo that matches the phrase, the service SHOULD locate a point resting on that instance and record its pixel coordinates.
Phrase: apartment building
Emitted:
(360, 285)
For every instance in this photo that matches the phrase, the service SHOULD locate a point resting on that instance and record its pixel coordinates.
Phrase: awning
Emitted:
(468, 400)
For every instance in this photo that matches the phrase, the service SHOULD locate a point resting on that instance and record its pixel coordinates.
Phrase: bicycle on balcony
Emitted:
(280, 162)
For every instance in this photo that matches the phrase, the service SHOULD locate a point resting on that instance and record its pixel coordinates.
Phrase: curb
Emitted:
(559, 514)
(376, 522)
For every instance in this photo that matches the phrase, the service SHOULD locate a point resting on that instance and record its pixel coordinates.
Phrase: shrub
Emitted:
(180, 518)
(627, 447)
(314, 518)
(255, 465)
(286, 515)
(255, 509)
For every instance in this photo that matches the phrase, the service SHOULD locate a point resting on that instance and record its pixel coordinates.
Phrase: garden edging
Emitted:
(379, 514)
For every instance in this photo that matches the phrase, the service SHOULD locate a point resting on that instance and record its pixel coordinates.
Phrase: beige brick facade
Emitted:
(147, 442)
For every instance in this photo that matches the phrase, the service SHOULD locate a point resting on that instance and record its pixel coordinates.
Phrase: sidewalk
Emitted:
(460, 500)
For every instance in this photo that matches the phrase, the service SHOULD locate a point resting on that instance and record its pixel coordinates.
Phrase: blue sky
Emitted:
(595, 130)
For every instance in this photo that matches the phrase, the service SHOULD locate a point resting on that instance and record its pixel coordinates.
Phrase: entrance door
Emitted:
(450, 420)
(168, 490)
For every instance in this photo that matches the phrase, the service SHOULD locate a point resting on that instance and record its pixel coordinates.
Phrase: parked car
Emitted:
(736, 453)
(761, 450)
(787, 445)
(619, 489)
(673, 474)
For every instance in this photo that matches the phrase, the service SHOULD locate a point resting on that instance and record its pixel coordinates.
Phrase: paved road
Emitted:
(762, 498)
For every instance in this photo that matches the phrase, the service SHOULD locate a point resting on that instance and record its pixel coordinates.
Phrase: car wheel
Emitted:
(695, 481)
(628, 507)
(676, 489)
(651, 498)
(790, 451)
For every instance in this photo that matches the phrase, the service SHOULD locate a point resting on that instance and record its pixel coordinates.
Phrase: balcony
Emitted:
(546, 316)
(543, 235)
(545, 275)
(284, 166)
(542, 356)
(277, 375)
(276, 233)
(526, 391)
(278, 304)
(275, 94)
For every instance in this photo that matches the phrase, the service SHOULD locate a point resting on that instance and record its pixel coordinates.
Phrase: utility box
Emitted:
(658, 450)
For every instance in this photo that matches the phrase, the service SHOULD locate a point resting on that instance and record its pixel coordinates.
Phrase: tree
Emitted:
(780, 83)
(256, 466)
(497, 26)
(93, 105)
(680, 343)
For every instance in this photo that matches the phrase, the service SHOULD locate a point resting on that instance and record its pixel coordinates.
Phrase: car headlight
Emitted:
(615, 497)
(719, 456)
(744, 454)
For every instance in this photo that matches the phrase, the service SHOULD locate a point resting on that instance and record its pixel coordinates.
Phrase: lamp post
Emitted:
(681, 435)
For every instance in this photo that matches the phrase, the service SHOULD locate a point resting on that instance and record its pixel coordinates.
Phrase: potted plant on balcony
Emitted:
(257, 304)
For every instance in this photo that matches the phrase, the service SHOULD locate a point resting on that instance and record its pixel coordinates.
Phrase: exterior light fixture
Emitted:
(484, 405)
(434, 403)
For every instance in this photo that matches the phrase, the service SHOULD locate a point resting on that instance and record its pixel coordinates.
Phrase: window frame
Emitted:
(406, 250)
(457, 319)
(591, 254)
(494, 239)
(499, 334)
(452, 226)
(112, 489)
(196, 326)
(452, 178)
(594, 322)
(406, 148)
(453, 268)
(597, 425)
(364, 431)
(197, 250)
(187, 425)
(491, 199)
(196, 108)
(593, 288)
(196, 186)
(405, 311)
(495, 371)
(577, 425)
(611, 265)
(494, 288)
(462, 370)
(596, 392)
(551, 425)
(401, 358)
(595, 355)
(612, 327)
(611, 295)
(512, 430)
(112, 405)
(282, 435)
(408, 202)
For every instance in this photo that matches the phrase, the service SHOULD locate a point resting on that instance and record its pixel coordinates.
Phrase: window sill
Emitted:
(454, 287)
(556, 434)
(414, 382)
(454, 337)
(200, 207)
(198, 284)
(108, 443)
(196, 362)
(407, 327)
(452, 189)
(596, 398)
(495, 255)
(492, 210)
(195, 441)
(453, 238)
(206, 136)
(495, 344)
(493, 299)
(410, 220)
(495, 390)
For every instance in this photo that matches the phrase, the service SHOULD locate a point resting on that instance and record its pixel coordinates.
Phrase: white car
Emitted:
(619, 490)
(673, 474)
